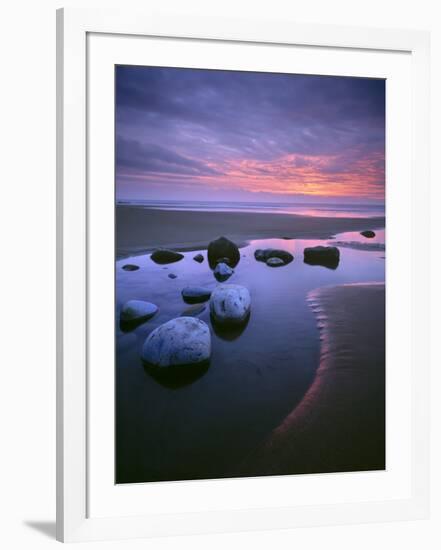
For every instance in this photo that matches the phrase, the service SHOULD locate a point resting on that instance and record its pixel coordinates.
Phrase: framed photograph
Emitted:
(242, 275)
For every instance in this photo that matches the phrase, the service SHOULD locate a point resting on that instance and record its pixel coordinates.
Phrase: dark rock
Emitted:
(172, 276)
(221, 249)
(130, 267)
(267, 253)
(198, 258)
(195, 294)
(165, 256)
(259, 254)
(327, 256)
(368, 234)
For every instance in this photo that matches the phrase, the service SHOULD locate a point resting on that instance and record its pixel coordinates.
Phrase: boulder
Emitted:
(195, 294)
(165, 256)
(137, 310)
(268, 253)
(368, 234)
(198, 258)
(184, 341)
(328, 256)
(223, 248)
(130, 267)
(222, 272)
(275, 262)
(230, 304)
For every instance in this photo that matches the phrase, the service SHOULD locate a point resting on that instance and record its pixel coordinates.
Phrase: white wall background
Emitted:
(27, 237)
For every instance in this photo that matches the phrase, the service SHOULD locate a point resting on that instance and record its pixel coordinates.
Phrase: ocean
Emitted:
(342, 210)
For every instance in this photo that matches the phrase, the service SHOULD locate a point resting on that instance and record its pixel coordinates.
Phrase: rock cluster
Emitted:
(266, 254)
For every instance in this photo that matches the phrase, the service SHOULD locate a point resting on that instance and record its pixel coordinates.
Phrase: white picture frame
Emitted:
(75, 217)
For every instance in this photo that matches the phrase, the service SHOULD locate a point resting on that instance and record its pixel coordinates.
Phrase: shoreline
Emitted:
(339, 426)
(140, 230)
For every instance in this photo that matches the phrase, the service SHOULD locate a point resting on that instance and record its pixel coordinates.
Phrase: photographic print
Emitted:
(249, 274)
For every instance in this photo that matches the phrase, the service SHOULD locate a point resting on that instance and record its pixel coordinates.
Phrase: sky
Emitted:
(197, 134)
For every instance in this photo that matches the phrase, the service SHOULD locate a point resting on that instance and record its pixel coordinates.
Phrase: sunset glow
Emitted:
(225, 135)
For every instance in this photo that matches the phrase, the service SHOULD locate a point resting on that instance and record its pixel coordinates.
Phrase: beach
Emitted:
(340, 423)
(304, 376)
(140, 230)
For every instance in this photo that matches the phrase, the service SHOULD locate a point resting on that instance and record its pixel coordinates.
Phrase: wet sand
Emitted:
(340, 423)
(139, 230)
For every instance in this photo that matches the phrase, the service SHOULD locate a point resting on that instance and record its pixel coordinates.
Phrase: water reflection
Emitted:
(177, 376)
(229, 332)
(330, 263)
(203, 423)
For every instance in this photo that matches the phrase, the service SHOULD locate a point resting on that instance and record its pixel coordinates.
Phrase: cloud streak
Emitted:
(206, 131)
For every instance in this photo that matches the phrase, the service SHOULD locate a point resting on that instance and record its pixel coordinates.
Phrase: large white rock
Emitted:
(230, 304)
(136, 310)
(181, 341)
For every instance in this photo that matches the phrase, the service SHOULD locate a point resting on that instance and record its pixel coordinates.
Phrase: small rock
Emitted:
(177, 343)
(137, 310)
(195, 294)
(165, 256)
(259, 254)
(230, 304)
(368, 234)
(267, 253)
(198, 258)
(172, 276)
(130, 267)
(222, 272)
(328, 256)
(223, 261)
(222, 248)
(275, 262)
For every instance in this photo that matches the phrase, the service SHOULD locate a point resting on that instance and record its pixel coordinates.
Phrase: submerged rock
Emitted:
(223, 249)
(137, 310)
(328, 256)
(172, 276)
(130, 267)
(368, 234)
(263, 255)
(198, 258)
(230, 304)
(165, 256)
(184, 341)
(275, 262)
(194, 310)
(195, 294)
(222, 272)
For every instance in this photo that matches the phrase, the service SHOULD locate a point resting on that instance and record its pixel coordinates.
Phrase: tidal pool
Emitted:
(205, 428)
